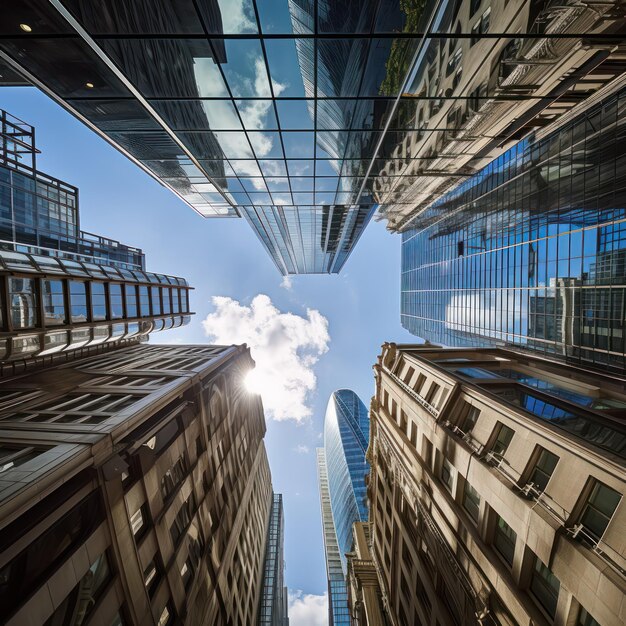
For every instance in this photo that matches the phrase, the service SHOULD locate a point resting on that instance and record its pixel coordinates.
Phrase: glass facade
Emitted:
(274, 600)
(39, 213)
(304, 113)
(338, 611)
(530, 251)
(346, 436)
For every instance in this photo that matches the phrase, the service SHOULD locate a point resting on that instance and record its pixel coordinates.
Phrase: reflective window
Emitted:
(116, 301)
(32, 566)
(155, 294)
(167, 300)
(23, 302)
(139, 521)
(131, 300)
(599, 509)
(504, 539)
(502, 441)
(173, 478)
(78, 300)
(544, 467)
(167, 616)
(53, 302)
(471, 416)
(471, 501)
(447, 474)
(175, 301)
(98, 302)
(144, 301)
(78, 606)
(152, 576)
(545, 586)
(585, 618)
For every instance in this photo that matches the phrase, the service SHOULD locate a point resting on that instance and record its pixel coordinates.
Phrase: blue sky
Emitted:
(224, 258)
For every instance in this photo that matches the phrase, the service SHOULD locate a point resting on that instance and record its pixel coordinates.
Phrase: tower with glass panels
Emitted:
(342, 468)
(531, 250)
(273, 608)
(64, 291)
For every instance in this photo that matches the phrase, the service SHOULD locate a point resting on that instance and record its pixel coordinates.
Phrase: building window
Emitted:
(131, 300)
(98, 302)
(139, 522)
(599, 509)
(419, 383)
(504, 539)
(155, 293)
(167, 300)
(115, 300)
(175, 301)
(152, 576)
(432, 392)
(469, 421)
(502, 441)
(14, 456)
(474, 6)
(186, 573)
(471, 501)
(53, 302)
(144, 301)
(481, 27)
(78, 301)
(167, 616)
(414, 434)
(31, 567)
(447, 475)
(585, 619)
(544, 467)
(23, 302)
(182, 519)
(173, 477)
(545, 586)
(78, 605)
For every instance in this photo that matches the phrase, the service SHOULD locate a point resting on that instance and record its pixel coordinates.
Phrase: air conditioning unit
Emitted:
(493, 458)
(575, 531)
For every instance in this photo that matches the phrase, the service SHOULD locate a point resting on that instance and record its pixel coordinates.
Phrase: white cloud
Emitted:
(286, 283)
(237, 16)
(306, 609)
(302, 449)
(284, 346)
(222, 115)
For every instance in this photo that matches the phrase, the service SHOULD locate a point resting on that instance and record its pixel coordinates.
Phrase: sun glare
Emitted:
(252, 381)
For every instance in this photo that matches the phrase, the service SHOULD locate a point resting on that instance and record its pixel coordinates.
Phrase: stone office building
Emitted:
(134, 489)
(496, 490)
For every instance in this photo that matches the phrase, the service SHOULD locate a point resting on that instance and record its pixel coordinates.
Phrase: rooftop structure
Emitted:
(63, 290)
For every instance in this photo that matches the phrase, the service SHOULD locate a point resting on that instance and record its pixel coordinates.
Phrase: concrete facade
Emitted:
(470, 524)
(134, 489)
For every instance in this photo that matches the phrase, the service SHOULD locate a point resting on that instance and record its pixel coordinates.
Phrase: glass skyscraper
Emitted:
(63, 290)
(273, 607)
(338, 613)
(531, 251)
(342, 468)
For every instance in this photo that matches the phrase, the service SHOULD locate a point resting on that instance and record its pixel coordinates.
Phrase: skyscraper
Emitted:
(338, 614)
(497, 478)
(64, 290)
(135, 490)
(531, 251)
(273, 609)
(342, 468)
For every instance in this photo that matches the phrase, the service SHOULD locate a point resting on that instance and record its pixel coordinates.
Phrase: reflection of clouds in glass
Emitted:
(222, 114)
(484, 313)
(237, 16)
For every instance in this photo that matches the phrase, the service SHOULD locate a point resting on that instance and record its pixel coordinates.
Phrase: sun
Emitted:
(253, 382)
